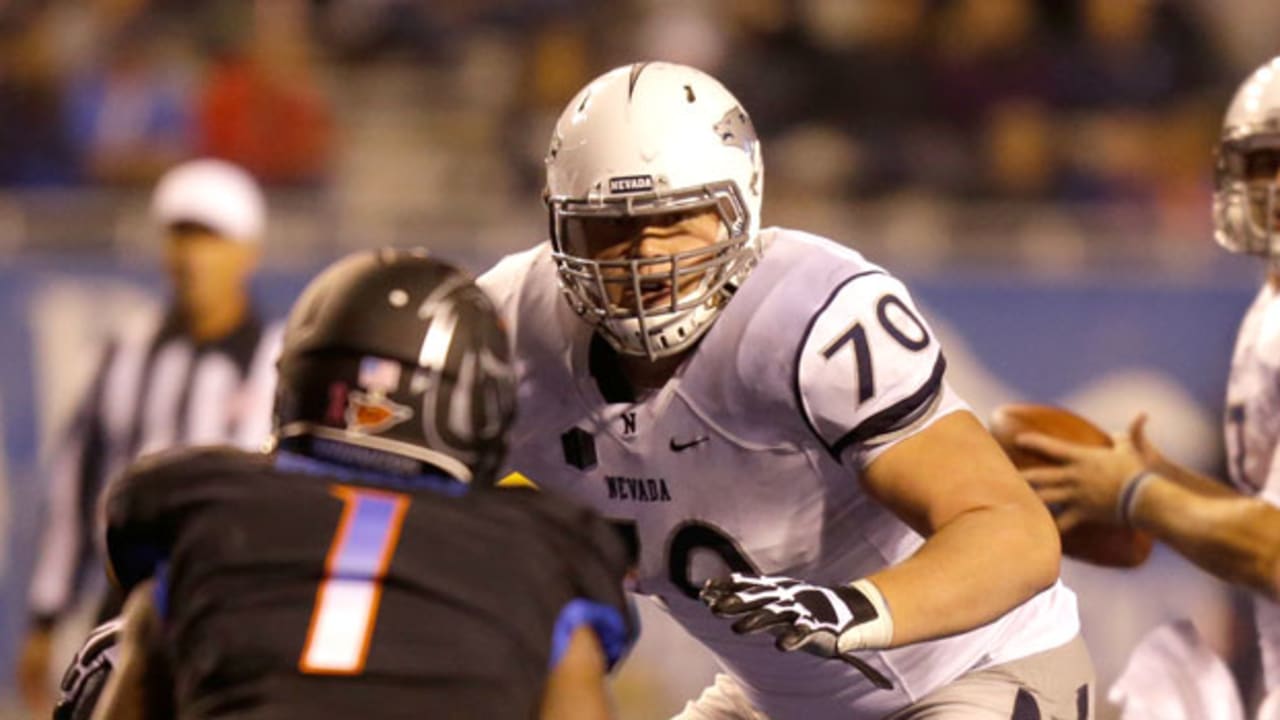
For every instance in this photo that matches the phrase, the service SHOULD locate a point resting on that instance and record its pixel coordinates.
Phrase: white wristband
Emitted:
(1128, 498)
(873, 634)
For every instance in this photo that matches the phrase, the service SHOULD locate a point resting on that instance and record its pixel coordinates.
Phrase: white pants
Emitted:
(1053, 685)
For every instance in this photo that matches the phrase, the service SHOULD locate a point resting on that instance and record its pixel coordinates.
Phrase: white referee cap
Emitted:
(213, 193)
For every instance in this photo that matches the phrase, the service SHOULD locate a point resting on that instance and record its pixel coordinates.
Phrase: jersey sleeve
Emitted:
(145, 506)
(869, 369)
(597, 563)
(502, 281)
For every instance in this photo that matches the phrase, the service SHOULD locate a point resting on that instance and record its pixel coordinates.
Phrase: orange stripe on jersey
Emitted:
(355, 564)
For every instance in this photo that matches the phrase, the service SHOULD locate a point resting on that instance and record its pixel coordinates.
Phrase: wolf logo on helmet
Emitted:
(735, 129)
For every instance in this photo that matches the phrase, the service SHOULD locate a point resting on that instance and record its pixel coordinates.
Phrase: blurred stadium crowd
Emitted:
(395, 112)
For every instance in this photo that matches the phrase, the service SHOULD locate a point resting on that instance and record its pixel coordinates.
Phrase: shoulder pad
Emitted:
(868, 364)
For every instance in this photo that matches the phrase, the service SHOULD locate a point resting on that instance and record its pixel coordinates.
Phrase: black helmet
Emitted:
(392, 360)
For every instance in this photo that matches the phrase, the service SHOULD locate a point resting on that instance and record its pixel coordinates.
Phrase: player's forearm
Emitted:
(134, 686)
(1234, 537)
(1190, 479)
(970, 572)
(575, 688)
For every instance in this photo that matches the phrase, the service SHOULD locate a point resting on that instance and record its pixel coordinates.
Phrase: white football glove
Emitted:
(830, 622)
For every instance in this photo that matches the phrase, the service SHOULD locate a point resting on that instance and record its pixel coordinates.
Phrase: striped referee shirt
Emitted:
(155, 388)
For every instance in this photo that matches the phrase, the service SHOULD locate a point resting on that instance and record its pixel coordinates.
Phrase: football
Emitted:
(1097, 543)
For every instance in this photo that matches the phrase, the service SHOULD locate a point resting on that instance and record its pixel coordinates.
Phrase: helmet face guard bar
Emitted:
(632, 279)
(1246, 214)
(692, 279)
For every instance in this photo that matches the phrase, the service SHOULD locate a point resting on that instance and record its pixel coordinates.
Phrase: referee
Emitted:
(204, 373)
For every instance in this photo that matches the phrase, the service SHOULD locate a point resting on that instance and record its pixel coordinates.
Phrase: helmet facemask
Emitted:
(651, 306)
(1246, 199)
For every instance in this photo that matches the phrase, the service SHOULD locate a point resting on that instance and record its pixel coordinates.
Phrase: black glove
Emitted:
(830, 622)
(84, 680)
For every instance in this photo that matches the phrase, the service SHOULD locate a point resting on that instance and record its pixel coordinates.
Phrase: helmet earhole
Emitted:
(688, 94)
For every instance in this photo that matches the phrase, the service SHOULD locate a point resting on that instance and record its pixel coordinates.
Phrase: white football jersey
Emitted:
(748, 458)
(1252, 432)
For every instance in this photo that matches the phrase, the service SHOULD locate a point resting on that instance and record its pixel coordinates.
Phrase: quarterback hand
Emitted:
(830, 622)
(1087, 483)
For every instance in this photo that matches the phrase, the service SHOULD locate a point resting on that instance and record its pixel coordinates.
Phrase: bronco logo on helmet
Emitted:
(371, 414)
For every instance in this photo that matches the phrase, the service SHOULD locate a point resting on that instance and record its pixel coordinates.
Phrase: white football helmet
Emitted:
(1245, 215)
(654, 139)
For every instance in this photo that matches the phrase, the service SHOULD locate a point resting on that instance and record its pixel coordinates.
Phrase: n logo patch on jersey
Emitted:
(371, 414)
(579, 448)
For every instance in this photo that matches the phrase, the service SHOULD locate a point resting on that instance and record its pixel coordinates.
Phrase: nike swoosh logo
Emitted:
(679, 446)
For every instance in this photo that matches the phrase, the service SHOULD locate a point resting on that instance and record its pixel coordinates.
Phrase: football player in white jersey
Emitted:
(766, 413)
(1232, 531)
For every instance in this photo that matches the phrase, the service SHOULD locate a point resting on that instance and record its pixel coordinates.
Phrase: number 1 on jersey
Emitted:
(346, 606)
